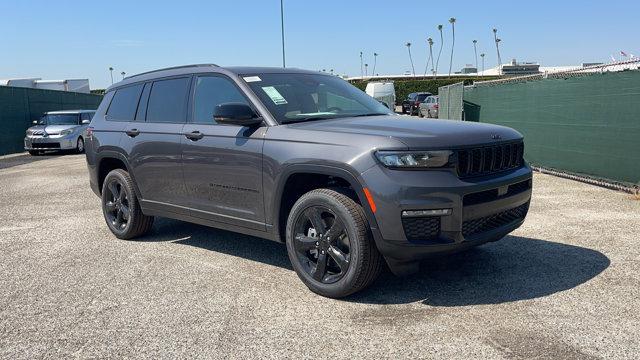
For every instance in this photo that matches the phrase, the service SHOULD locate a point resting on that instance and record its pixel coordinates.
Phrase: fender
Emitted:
(117, 153)
(351, 176)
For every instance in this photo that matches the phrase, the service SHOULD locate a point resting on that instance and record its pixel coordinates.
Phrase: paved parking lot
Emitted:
(565, 285)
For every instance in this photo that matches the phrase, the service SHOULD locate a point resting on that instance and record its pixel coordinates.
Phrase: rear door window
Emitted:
(168, 101)
(124, 103)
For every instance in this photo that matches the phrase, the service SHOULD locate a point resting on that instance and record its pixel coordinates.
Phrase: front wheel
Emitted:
(330, 245)
(121, 208)
(35, 153)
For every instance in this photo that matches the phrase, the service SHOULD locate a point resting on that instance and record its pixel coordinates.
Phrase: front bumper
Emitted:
(481, 209)
(51, 142)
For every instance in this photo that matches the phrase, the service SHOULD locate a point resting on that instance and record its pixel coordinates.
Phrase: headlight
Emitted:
(414, 159)
(66, 132)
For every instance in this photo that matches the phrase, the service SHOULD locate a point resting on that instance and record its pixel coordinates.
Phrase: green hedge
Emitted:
(405, 87)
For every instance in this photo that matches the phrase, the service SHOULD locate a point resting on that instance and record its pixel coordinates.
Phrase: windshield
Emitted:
(59, 119)
(305, 97)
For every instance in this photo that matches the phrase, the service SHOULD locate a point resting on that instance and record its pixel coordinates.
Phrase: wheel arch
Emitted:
(280, 207)
(108, 160)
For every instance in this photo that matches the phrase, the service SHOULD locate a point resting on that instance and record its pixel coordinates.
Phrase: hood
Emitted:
(51, 129)
(416, 133)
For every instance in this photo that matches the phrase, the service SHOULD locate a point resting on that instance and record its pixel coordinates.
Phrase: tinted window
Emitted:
(142, 105)
(210, 92)
(124, 103)
(87, 116)
(167, 102)
(421, 97)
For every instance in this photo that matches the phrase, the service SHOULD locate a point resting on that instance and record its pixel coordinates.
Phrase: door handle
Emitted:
(194, 135)
(132, 133)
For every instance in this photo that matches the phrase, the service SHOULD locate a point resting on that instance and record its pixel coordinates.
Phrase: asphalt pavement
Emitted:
(565, 285)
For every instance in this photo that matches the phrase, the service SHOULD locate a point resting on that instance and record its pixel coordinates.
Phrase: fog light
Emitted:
(433, 212)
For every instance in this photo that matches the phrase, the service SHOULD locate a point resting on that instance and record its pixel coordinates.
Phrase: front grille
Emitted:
(45, 145)
(491, 195)
(491, 222)
(37, 132)
(421, 228)
(490, 159)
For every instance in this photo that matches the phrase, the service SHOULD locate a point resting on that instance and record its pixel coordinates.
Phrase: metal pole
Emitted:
(282, 30)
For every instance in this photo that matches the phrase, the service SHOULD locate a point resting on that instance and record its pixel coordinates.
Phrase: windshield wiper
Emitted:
(370, 114)
(308, 118)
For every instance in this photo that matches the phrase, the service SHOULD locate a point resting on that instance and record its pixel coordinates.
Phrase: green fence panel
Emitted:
(20, 106)
(587, 124)
(450, 101)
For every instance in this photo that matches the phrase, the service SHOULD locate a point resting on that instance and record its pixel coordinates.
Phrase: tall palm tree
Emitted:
(495, 38)
(361, 64)
(482, 57)
(441, 45)
(452, 21)
(375, 60)
(475, 51)
(430, 59)
(413, 70)
(366, 69)
(111, 72)
(123, 74)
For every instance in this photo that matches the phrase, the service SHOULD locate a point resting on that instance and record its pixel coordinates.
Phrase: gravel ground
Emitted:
(564, 285)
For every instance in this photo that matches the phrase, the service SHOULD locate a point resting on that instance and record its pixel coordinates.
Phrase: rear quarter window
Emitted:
(124, 103)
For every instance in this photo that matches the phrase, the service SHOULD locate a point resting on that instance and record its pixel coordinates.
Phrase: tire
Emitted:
(121, 208)
(34, 153)
(80, 145)
(420, 113)
(337, 278)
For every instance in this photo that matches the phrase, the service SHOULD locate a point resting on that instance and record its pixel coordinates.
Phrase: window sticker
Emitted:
(252, 78)
(275, 96)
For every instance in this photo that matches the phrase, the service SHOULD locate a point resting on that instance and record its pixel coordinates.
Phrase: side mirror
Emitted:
(86, 121)
(236, 114)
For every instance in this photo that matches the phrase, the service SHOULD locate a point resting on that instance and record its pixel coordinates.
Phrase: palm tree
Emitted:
(366, 69)
(111, 71)
(375, 60)
(482, 56)
(408, 45)
(430, 59)
(475, 51)
(441, 45)
(361, 70)
(495, 38)
(123, 74)
(452, 21)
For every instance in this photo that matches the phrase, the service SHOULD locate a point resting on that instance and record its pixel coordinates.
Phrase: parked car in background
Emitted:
(383, 91)
(413, 100)
(429, 107)
(58, 130)
(305, 159)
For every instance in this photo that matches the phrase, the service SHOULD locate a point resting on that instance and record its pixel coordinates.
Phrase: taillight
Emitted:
(435, 106)
(90, 132)
(417, 103)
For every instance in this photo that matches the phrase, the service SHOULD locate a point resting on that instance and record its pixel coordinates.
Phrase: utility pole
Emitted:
(282, 30)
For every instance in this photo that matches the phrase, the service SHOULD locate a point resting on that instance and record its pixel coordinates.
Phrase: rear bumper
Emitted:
(480, 210)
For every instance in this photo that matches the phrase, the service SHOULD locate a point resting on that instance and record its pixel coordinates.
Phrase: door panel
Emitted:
(222, 163)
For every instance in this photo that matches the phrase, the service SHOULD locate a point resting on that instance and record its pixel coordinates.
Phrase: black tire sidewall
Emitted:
(342, 286)
(123, 178)
(80, 140)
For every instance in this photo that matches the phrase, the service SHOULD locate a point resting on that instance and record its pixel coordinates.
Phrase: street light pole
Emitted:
(282, 30)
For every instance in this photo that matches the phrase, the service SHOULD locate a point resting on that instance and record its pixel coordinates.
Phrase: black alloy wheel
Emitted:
(322, 244)
(117, 210)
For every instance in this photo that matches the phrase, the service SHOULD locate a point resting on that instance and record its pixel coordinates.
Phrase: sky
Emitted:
(82, 39)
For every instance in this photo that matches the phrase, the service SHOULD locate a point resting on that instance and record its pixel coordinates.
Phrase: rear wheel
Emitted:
(80, 145)
(329, 244)
(121, 208)
(35, 153)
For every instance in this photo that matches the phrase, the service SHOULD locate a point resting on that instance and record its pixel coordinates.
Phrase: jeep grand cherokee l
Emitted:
(305, 159)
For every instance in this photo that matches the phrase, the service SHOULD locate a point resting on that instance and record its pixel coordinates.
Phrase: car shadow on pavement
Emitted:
(12, 161)
(514, 268)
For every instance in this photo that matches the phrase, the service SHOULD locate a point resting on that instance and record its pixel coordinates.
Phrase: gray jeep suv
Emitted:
(305, 159)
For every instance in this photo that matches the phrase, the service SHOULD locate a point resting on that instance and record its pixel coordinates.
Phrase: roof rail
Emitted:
(171, 68)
